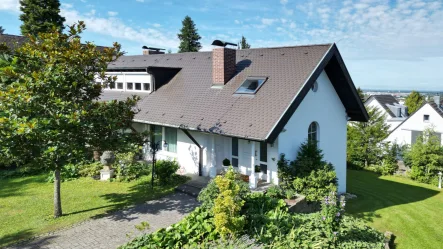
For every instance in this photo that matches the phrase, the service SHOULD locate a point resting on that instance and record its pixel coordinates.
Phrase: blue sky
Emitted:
(385, 44)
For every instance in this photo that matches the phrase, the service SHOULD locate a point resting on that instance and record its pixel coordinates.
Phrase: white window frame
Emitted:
(125, 82)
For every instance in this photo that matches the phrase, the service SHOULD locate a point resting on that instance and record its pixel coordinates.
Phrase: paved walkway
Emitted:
(111, 231)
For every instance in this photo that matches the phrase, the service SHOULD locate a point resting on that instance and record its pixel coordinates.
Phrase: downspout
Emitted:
(200, 154)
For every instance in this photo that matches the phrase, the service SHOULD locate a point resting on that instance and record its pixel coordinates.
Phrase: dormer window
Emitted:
(251, 85)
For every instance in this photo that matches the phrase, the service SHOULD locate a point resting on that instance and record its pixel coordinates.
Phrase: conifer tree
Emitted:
(189, 37)
(244, 44)
(1, 30)
(40, 16)
(414, 101)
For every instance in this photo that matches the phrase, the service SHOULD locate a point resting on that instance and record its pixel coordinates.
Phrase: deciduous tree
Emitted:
(40, 16)
(365, 139)
(414, 101)
(189, 37)
(49, 109)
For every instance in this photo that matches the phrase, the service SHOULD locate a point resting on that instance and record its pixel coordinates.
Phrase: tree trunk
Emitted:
(57, 199)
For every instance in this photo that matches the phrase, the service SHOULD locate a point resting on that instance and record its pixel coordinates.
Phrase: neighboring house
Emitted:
(245, 105)
(394, 112)
(429, 115)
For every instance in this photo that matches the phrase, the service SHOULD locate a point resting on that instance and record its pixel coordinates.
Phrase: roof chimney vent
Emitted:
(223, 62)
(151, 50)
(437, 100)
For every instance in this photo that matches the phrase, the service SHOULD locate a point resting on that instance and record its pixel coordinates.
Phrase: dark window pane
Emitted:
(157, 135)
(129, 86)
(112, 85)
(264, 168)
(171, 139)
(263, 152)
(138, 86)
(146, 86)
(234, 162)
(119, 85)
(235, 146)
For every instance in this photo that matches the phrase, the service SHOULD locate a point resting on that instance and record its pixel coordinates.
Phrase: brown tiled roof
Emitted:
(15, 41)
(384, 100)
(189, 101)
(437, 108)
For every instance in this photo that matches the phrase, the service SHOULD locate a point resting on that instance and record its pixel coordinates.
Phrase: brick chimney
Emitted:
(223, 65)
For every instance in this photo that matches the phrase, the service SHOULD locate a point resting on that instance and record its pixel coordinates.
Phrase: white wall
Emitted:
(325, 108)
(402, 135)
(372, 102)
(134, 77)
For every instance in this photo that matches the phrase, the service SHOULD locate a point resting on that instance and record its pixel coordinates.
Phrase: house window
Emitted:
(171, 139)
(112, 85)
(146, 86)
(138, 86)
(313, 132)
(263, 157)
(314, 87)
(234, 161)
(156, 136)
(129, 86)
(425, 118)
(119, 85)
(251, 85)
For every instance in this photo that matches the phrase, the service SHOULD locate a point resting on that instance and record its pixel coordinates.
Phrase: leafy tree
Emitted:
(40, 16)
(361, 94)
(365, 139)
(425, 157)
(414, 101)
(1, 30)
(189, 38)
(244, 44)
(49, 113)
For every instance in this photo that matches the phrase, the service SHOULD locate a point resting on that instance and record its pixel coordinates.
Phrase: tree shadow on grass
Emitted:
(13, 237)
(14, 186)
(374, 193)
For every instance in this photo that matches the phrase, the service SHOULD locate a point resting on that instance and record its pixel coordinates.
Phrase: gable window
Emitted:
(313, 132)
(251, 85)
(425, 118)
(129, 86)
(234, 160)
(146, 86)
(119, 85)
(138, 86)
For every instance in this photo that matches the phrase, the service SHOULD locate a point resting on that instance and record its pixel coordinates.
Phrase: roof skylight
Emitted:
(251, 85)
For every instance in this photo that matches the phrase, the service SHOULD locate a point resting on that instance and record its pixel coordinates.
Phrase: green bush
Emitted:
(132, 171)
(90, 169)
(68, 172)
(308, 174)
(275, 192)
(208, 195)
(166, 170)
(232, 243)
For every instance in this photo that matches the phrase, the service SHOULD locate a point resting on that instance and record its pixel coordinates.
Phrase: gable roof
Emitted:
(431, 103)
(189, 101)
(385, 100)
(15, 41)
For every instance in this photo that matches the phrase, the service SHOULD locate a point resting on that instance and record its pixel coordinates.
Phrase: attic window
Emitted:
(251, 85)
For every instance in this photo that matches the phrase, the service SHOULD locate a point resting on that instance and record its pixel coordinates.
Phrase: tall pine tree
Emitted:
(244, 44)
(189, 37)
(1, 30)
(40, 16)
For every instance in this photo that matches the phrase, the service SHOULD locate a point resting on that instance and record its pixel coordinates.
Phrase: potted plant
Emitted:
(226, 163)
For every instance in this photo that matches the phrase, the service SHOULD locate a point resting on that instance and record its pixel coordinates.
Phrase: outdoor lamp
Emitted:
(439, 179)
(165, 145)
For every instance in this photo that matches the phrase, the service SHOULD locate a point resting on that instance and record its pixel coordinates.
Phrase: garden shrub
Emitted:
(90, 169)
(166, 170)
(208, 195)
(132, 171)
(243, 242)
(227, 205)
(308, 174)
(68, 172)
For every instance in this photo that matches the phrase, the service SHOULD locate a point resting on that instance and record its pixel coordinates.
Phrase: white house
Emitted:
(394, 112)
(429, 115)
(246, 105)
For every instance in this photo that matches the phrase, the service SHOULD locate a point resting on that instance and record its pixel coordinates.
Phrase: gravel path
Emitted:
(111, 231)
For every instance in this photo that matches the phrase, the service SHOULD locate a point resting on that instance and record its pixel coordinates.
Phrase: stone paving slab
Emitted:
(111, 231)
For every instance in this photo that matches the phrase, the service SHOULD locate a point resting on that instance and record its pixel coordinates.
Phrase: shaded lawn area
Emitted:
(26, 203)
(412, 211)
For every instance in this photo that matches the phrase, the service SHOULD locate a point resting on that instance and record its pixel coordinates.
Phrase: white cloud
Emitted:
(116, 28)
(10, 5)
(268, 21)
(283, 2)
(157, 25)
(112, 13)
(140, 1)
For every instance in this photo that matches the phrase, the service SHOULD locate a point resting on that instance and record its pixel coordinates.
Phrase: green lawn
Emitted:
(26, 204)
(412, 211)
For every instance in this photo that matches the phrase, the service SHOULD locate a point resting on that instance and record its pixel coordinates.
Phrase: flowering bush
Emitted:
(332, 211)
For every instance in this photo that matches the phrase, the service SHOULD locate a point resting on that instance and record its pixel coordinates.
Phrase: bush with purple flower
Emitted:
(332, 211)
